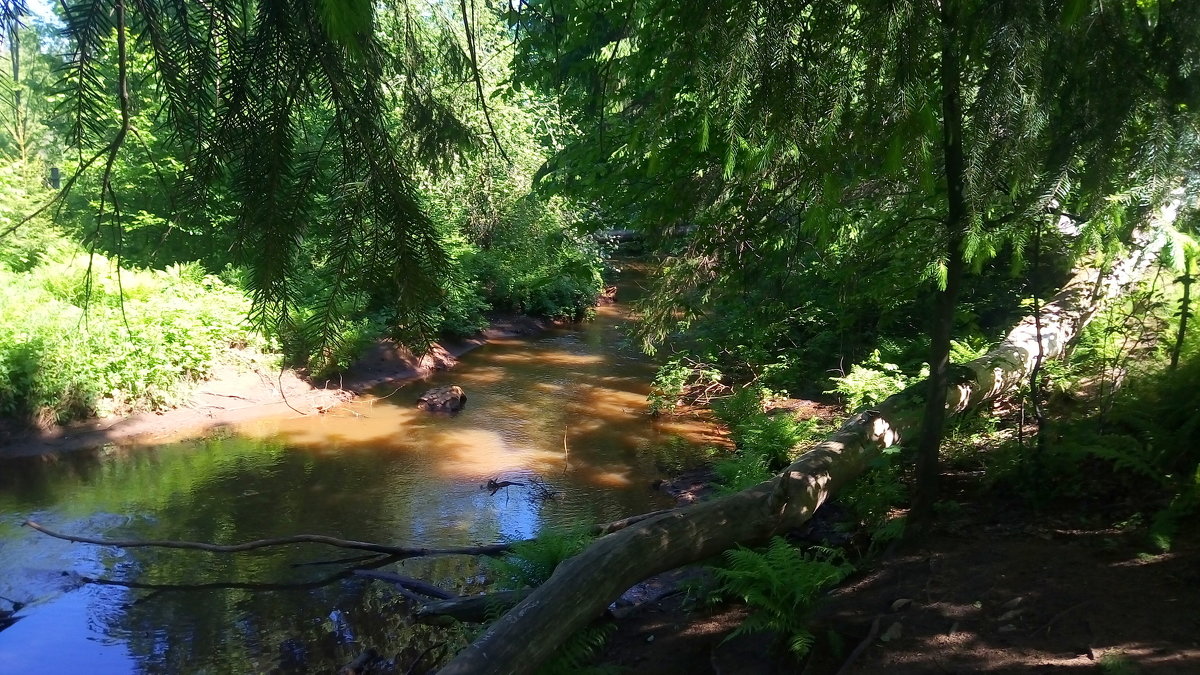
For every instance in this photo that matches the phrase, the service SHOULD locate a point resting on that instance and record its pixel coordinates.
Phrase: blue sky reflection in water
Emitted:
(379, 470)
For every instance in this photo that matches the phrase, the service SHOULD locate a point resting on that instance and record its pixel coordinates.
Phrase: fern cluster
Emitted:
(781, 586)
(765, 443)
(530, 563)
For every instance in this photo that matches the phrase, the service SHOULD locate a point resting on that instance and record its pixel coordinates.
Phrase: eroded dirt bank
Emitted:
(236, 395)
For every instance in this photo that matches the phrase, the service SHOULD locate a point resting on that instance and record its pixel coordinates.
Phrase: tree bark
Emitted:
(957, 217)
(583, 586)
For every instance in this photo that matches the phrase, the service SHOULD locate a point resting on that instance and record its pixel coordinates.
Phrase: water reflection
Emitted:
(562, 415)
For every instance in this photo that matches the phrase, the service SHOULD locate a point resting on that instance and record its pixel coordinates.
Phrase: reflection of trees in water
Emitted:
(233, 490)
(242, 630)
(251, 628)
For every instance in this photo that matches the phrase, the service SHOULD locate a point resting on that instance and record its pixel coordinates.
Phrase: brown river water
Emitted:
(562, 413)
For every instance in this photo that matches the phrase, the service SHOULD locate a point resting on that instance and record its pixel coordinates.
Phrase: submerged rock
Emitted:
(443, 399)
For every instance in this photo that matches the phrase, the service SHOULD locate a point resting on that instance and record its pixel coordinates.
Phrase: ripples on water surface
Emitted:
(566, 408)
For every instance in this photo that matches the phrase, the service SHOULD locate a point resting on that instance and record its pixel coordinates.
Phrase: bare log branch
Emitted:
(394, 551)
(410, 583)
(397, 551)
(471, 608)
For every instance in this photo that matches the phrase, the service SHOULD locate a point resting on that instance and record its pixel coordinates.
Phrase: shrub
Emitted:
(871, 381)
(76, 342)
(765, 443)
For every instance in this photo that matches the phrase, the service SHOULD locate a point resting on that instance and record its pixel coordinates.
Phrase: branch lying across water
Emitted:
(398, 551)
(408, 582)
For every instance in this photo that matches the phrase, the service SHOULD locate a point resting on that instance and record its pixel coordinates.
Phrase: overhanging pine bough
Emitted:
(582, 587)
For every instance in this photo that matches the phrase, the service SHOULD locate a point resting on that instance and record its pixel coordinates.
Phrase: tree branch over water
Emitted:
(399, 551)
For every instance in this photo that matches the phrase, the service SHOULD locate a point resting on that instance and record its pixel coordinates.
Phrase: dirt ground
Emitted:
(242, 393)
(980, 593)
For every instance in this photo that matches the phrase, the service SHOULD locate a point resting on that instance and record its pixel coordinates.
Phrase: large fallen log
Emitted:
(583, 586)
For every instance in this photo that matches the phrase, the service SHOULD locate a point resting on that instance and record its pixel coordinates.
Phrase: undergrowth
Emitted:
(781, 586)
(1118, 443)
(80, 336)
(765, 443)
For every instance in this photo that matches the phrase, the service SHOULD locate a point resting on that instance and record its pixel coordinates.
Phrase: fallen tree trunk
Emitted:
(583, 586)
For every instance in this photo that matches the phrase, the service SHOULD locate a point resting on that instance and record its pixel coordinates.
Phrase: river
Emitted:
(563, 414)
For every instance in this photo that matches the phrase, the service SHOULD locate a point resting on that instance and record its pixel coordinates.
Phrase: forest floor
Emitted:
(994, 588)
(247, 391)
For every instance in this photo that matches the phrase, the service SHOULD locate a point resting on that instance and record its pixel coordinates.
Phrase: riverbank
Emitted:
(998, 584)
(249, 391)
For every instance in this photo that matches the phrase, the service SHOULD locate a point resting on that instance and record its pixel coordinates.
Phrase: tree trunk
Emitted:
(583, 586)
(934, 419)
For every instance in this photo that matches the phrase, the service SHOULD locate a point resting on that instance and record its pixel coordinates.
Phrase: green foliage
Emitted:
(872, 381)
(1117, 663)
(782, 587)
(765, 443)
(80, 336)
(683, 379)
(574, 655)
(530, 563)
(874, 497)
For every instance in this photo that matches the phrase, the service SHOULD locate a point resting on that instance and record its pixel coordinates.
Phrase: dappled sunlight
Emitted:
(481, 375)
(610, 479)
(547, 358)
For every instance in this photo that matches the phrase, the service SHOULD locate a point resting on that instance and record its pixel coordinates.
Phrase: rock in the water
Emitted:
(443, 399)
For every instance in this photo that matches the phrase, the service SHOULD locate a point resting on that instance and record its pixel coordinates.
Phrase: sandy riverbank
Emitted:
(240, 394)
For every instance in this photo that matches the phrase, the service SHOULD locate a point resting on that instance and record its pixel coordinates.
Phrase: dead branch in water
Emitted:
(394, 551)
(415, 585)
(398, 551)
(470, 608)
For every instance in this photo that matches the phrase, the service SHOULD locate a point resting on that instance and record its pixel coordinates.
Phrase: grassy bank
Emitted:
(80, 336)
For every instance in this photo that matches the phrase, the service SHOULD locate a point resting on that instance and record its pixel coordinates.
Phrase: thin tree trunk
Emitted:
(1185, 311)
(957, 218)
(582, 587)
(20, 122)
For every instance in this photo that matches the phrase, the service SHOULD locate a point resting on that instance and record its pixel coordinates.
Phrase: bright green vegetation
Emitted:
(528, 565)
(765, 443)
(81, 336)
(301, 235)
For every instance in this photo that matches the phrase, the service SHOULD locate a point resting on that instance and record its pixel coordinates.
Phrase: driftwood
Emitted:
(470, 608)
(394, 551)
(397, 551)
(362, 664)
(410, 583)
(583, 586)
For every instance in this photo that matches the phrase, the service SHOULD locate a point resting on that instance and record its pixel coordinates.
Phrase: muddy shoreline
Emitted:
(236, 395)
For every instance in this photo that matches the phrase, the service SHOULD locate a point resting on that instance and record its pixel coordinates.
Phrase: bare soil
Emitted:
(241, 393)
